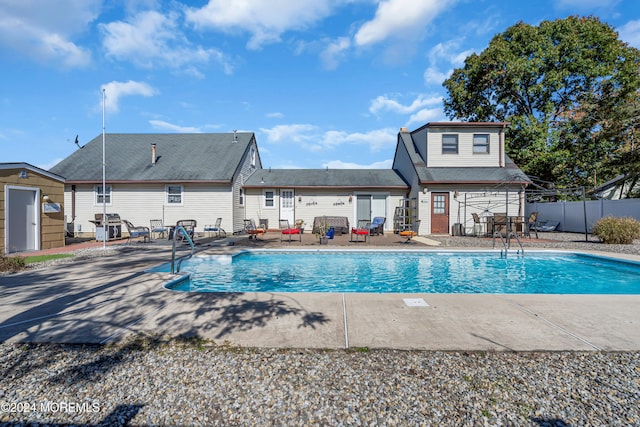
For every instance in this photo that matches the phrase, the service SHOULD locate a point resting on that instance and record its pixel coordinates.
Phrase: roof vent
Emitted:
(235, 136)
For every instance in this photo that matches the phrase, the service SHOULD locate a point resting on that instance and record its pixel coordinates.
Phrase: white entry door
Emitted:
(22, 219)
(287, 210)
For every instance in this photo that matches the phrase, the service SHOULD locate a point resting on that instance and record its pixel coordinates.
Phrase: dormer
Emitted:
(461, 144)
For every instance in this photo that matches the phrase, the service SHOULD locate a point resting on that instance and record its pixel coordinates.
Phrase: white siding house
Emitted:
(457, 169)
(160, 176)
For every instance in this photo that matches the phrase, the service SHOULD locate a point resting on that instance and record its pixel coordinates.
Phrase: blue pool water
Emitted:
(409, 272)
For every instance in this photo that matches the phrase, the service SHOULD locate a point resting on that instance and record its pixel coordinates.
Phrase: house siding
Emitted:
(465, 157)
(311, 203)
(246, 170)
(140, 203)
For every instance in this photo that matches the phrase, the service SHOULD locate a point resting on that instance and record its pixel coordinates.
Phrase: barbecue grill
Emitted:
(113, 224)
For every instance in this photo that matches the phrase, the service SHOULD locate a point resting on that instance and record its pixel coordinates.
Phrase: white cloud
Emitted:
(334, 52)
(339, 164)
(275, 115)
(427, 115)
(115, 90)
(162, 125)
(400, 19)
(44, 30)
(311, 138)
(434, 76)
(151, 38)
(630, 33)
(585, 4)
(385, 103)
(266, 21)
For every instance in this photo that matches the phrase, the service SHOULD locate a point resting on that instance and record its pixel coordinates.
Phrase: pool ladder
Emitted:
(180, 229)
(506, 245)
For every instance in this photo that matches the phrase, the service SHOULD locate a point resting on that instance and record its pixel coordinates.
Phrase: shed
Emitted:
(31, 208)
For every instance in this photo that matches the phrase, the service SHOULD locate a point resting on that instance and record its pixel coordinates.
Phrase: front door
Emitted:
(22, 222)
(439, 213)
(287, 210)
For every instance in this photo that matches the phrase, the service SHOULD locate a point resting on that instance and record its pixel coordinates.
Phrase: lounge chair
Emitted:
(157, 228)
(252, 230)
(377, 226)
(286, 230)
(189, 225)
(135, 232)
(363, 229)
(411, 232)
(215, 229)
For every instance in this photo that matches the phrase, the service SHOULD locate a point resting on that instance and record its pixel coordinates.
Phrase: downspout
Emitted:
(502, 149)
(73, 205)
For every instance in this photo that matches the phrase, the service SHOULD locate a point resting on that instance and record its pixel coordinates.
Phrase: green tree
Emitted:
(565, 86)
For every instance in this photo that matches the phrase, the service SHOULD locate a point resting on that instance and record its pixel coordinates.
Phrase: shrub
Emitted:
(614, 230)
(12, 264)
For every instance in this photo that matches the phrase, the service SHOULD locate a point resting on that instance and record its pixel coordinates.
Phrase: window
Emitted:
(102, 197)
(241, 197)
(449, 144)
(269, 199)
(174, 194)
(480, 143)
(253, 157)
(439, 204)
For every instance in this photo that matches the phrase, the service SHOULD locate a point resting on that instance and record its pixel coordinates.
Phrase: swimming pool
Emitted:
(408, 272)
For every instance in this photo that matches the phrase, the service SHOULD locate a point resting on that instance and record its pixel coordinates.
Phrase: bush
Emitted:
(12, 264)
(614, 230)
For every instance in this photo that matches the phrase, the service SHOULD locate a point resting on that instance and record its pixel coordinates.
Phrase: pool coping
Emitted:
(112, 298)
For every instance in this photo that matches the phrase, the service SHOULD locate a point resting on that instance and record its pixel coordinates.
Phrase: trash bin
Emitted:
(457, 229)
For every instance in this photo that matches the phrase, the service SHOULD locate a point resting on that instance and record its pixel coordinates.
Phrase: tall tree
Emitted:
(565, 86)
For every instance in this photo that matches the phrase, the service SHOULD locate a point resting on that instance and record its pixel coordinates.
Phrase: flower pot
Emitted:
(324, 240)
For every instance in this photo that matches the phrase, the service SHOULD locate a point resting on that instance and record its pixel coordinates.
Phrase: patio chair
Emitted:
(157, 228)
(135, 232)
(286, 230)
(411, 232)
(189, 225)
(363, 229)
(252, 230)
(215, 229)
(377, 226)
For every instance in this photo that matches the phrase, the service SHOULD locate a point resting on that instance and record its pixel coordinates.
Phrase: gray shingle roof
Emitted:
(180, 157)
(299, 178)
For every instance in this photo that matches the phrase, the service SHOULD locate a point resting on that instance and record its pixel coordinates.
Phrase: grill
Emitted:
(113, 224)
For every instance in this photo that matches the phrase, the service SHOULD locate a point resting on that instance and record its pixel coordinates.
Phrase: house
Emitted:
(456, 169)
(31, 208)
(303, 194)
(442, 173)
(160, 176)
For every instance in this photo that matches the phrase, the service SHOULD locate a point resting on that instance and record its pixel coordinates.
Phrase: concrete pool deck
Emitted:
(111, 298)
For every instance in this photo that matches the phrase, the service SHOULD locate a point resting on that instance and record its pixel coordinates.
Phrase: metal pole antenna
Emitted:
(104, 182)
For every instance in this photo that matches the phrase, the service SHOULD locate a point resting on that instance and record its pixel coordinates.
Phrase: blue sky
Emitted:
(322, 83)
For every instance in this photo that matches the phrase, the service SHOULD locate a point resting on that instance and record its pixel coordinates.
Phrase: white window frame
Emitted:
(167, 195)
(447, 147)
(252, 157)
(241, 196)
(266, 198)
(97, 194)
(481, 143)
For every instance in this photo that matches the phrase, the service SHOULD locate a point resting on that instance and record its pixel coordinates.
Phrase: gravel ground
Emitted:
(156, 382)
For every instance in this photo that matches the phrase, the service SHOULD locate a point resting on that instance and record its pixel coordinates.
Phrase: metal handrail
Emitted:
(173, 249)
(506, 243)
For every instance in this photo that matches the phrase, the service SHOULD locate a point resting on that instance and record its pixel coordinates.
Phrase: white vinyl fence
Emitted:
(571, 215)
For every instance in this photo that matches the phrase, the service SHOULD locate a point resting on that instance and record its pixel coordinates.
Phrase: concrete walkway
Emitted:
(108, 299)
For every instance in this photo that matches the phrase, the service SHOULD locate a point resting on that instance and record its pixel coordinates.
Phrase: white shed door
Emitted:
(22, 220)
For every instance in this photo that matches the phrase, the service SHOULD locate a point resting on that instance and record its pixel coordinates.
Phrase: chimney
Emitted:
(403, 129)
(153, 154)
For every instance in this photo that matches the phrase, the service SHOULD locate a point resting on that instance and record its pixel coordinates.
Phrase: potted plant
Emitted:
(322, 233)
